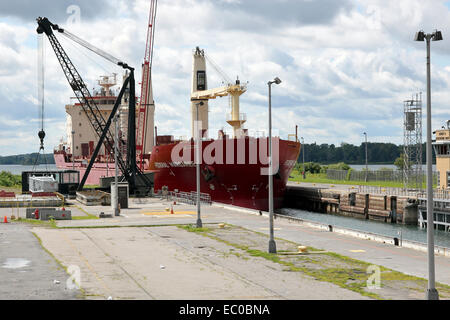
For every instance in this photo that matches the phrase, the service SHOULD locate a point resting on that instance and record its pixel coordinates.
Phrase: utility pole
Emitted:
(367, 165)
(272, 244)
(432, 293)
(198, 151)
(303, 152)
(116, 152)
(73, 150)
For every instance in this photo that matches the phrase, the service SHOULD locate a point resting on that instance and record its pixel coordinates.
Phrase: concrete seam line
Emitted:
(105, 286)
(217, 265)
(116, 263)
(442, 251)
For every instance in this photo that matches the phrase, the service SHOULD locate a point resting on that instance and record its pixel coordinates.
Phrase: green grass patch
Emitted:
(193, 228)
(91, 186)
(322, 178)
(87, 217)
(44, 223)
(343, 271)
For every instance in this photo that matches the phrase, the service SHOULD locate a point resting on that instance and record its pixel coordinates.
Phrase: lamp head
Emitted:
(420, 36)
(437, 36)
(277, 80)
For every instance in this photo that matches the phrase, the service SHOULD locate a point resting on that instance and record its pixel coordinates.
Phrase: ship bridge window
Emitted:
(70, 177)
(201, 80)
(448, 179)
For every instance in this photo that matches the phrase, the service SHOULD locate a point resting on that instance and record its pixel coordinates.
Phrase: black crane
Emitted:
(101, 126)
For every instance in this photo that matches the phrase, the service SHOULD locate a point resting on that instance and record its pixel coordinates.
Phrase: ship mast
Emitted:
(146, 116)
(201, 93)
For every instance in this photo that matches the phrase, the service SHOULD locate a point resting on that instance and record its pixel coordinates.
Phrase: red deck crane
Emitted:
(147, 104)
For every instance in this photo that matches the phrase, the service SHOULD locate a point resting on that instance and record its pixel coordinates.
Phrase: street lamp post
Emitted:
(116, 166)
(198, 151)
(73, 149)
(432, 293)
(303, 152)
(272, 245)
(367, 166)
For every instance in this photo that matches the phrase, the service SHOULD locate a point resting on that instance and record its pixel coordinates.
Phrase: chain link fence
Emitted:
(374, 175)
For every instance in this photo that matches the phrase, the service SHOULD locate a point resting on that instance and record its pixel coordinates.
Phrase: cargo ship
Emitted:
(234, 170)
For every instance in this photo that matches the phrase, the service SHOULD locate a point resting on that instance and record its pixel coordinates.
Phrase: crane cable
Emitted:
(84, 54)
(216, 67)
(41, 97)
(149, 85)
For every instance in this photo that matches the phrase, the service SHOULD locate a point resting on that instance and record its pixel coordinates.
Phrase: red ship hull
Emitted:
(239, 184)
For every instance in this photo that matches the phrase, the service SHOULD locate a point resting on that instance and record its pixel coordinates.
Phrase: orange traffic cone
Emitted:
(5, 220)
(171, 209)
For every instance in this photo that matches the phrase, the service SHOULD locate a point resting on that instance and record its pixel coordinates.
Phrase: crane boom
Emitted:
(146, 100)
(218, 92)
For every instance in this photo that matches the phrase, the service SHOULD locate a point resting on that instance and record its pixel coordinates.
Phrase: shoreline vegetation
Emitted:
(10, 182)
(27, 159)
(377, 153)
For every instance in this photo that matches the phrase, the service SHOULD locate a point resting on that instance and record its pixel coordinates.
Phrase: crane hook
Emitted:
(41, 135)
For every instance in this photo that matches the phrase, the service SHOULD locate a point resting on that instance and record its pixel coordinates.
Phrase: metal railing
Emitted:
(390, 191)
(190, 197)
(437, 194)
(184, 197)
(242, 117)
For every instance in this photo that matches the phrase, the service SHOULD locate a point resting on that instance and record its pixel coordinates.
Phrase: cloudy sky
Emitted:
(346, 65)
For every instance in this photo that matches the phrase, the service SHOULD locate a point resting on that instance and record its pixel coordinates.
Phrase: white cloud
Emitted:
(343, 73)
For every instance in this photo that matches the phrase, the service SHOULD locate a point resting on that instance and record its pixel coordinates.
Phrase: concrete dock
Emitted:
(150, 253)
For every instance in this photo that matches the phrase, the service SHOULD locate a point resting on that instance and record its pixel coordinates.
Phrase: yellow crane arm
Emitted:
(217, 92)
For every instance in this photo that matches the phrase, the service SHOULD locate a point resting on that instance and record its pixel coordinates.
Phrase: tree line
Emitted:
(382, 153)
(28, 159)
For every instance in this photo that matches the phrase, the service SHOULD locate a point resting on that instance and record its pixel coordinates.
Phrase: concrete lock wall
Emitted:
(30, 211)
(360, 200)
(47, 213)
(56, 214)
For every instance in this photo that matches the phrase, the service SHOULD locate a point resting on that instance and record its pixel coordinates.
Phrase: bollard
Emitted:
(302, 249)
